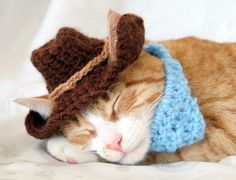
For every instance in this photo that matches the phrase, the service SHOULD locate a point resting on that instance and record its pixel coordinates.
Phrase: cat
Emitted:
(116, 127)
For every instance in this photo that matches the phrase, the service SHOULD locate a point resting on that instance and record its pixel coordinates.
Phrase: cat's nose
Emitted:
(115, 144)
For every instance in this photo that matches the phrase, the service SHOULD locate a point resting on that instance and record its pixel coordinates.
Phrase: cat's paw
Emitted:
(60, 148)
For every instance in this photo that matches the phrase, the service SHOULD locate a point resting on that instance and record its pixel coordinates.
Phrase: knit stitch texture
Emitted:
(177, 121)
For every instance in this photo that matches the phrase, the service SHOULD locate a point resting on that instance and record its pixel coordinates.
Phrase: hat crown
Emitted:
(66, 54)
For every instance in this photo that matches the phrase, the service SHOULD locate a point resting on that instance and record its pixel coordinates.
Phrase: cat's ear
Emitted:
(40, 104)
(126, 36)
(113, 19)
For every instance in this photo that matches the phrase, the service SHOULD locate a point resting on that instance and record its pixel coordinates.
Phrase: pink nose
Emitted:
(116, 144)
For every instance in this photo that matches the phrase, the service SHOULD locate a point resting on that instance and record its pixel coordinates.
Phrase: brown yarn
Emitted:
(68, 53)
(71, 82)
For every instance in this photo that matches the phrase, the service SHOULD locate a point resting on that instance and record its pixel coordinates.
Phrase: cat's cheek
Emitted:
(111, 155)
(138, 154)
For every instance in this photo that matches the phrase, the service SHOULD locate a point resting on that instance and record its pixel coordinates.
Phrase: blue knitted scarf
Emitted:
(177, 121)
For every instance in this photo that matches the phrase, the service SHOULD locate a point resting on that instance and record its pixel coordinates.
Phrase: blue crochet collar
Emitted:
(177, 121)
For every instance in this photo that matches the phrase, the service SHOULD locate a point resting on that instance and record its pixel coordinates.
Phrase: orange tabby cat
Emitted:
(211, 71)
(116, 126)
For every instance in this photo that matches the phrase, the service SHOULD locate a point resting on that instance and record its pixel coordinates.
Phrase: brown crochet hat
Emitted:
(77, 69)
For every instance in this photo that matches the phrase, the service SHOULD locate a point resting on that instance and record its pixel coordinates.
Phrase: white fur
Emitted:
(137, 154)
(135, 141)
(135, 137)
(61, 149)
(133, 128)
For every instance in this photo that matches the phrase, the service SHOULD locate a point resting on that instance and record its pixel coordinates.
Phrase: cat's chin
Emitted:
(137, 154)
(134, 156)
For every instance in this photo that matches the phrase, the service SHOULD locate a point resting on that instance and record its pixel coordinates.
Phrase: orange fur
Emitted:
(211, 71)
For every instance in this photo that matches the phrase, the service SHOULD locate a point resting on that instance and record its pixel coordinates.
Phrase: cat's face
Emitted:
(116, 127)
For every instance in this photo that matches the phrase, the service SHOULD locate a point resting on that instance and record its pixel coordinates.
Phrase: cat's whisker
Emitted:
(138, 125)
(153, 105)
(133, 132)
(150, 106)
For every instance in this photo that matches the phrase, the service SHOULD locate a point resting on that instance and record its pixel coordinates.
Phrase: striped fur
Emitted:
(211, 71)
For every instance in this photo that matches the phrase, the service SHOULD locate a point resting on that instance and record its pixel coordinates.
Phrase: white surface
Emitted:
(23, 157)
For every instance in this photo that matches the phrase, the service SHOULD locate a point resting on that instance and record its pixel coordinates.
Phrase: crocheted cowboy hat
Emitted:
(77, 69)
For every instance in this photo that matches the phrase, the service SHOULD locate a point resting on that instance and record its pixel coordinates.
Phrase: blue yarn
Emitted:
(177, 121)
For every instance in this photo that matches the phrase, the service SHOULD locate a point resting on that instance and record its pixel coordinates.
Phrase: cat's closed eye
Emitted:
(114, 115)
(79, 132)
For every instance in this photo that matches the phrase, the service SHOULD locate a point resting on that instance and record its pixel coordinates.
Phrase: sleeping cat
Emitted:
(116, 127)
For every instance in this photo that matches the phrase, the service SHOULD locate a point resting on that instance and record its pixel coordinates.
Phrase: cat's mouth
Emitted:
(134, 150)
(132, 156)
